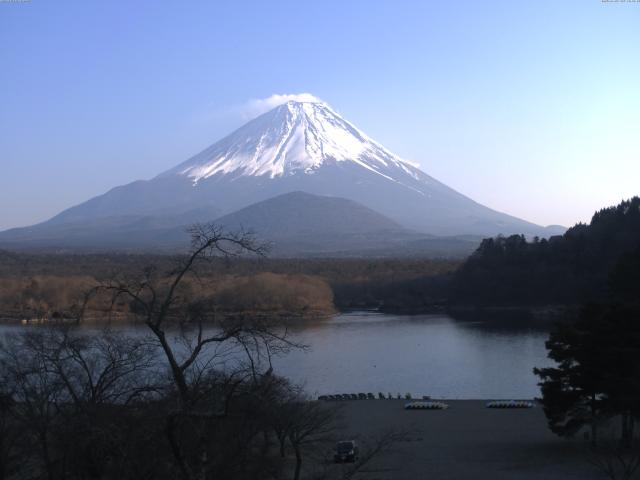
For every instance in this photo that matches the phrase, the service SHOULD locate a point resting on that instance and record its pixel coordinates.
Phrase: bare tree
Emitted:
(157, 301)
(64, 384)
(37, 393)
(194, 398)
(615, 460)
(10, 434)
(104, 368)
(205, 345)
(310, 425)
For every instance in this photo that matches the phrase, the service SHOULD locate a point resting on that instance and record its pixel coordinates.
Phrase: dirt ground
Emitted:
(467, 441)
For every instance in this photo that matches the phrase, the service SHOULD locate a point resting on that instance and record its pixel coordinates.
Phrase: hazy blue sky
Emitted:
(530, 107)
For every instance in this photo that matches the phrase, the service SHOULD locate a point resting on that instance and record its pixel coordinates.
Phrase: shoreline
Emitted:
(539, 313)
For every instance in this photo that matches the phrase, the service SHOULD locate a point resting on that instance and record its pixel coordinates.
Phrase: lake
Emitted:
(421, 354)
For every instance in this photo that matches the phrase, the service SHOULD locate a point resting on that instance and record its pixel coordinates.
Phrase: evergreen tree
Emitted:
(624, 280)
(567, 269)
(573, 393)
(597, 375)
(621, 339)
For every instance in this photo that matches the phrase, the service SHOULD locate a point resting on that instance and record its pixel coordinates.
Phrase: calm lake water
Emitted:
(422, 354)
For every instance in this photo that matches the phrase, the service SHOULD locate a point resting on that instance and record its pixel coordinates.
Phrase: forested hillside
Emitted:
(564, 269)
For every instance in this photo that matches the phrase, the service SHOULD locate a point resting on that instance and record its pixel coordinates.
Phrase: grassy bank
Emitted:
(45, 286)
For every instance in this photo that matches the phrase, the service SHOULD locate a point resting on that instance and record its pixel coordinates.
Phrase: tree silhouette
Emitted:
(598, 371)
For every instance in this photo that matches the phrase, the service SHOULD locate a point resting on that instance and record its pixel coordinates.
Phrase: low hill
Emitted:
(299, 213)
(118, 233)
(299, 224)
(295, 224)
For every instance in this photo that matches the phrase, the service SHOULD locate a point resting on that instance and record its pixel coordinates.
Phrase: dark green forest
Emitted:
(570, 269)
(595, 379)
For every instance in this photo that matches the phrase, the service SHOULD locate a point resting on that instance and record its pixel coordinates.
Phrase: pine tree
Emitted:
(573, 393)
(597, 376)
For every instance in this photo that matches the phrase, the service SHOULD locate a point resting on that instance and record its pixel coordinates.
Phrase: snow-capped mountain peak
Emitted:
(295, 137)
(301, 145)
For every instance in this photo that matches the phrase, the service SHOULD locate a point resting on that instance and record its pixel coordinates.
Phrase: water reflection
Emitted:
(434, 355)
(422, 354)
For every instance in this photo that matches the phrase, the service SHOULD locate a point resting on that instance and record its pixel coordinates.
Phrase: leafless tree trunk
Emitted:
(157, 302)
(311, 424)
(298, 453)
(616, 459)
(59, 379)
(73, 390)
(10, 434)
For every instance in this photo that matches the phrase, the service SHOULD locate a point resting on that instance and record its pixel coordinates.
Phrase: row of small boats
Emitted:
(364, 396)
(418, 405)
(426, 406)
(510, 404)
(347, 396)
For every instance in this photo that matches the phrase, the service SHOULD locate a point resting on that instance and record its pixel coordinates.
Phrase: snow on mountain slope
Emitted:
(298, 146)
(293, 137)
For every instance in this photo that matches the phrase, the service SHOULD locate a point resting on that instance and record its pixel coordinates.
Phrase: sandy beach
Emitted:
(466, 441)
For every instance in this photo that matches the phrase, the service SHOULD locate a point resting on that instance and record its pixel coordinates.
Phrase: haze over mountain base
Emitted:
(303, 147)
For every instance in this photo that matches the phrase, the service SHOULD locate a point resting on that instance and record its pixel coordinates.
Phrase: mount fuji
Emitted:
(299, 146)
